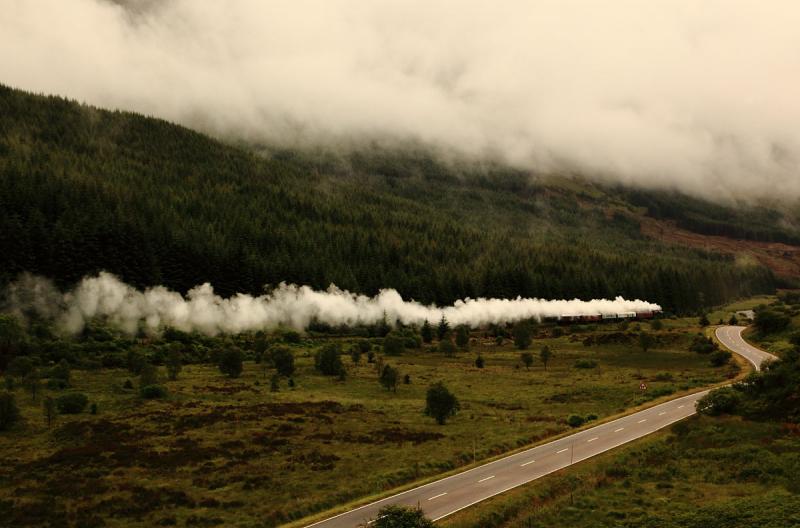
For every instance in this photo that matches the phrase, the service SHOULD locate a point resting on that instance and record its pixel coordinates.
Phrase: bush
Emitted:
(230, 362)
(479, 362)
(19, 367)
(720, 358)
(72, 403)
(462, 337)
(585, 364)
(9, 412)
(663, 376)
(522, 335)
(393, 344)
(389, 376)
(291, 337)
(401, 517)
(721, 401)
(527, 359)
(769, 321)
(703, 345)
(283, 359)
(440, 403)
(447, 347)
(575, 420)
(328, 360)
(153, 392)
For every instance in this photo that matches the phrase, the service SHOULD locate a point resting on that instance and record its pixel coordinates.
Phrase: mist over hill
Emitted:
(87, 190)
(666, 94)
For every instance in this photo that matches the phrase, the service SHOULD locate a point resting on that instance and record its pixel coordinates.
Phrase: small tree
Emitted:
(9, 412)
(426, 332)
(720, 358)
(656, 325)
(447, 347)
(393, 344)
(704, 320)
(72, 403)
(522, 335)
(61, 373)
(355, 355)
(733, 321)
(328, 360)
(479, 362)
(33, 383)
(401, 517)
(148, 375)
(231, 362)
(441, 404)
(275, 383)
(527, 359)
(389, 377)
(174, 361)
(443, 330)
(646, 341)
(50, 410)
(19, 367)
(283, 359)
(462, 337)
(545, 355)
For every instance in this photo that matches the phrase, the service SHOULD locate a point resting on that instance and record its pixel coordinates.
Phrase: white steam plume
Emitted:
(695, 95)
(105, 296)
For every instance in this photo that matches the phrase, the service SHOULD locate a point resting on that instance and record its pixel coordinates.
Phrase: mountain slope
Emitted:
(85, 189)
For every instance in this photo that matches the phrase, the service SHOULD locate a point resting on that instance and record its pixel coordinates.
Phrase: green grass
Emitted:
(231, 451)
(704, 472)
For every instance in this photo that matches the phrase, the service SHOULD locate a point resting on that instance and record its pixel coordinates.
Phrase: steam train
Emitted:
(603, 318)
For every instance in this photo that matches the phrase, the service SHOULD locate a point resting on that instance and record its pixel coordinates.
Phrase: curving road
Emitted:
(446, 496)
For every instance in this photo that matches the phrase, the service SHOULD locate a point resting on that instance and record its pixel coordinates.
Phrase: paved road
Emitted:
(731, 337)
(451, 494)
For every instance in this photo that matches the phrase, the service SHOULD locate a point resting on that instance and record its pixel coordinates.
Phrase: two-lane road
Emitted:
(446, 496)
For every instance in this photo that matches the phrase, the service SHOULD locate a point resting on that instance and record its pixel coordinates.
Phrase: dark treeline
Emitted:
(85, 190)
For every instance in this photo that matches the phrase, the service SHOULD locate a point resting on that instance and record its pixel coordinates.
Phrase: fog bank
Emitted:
(698, 96)
(106, 297)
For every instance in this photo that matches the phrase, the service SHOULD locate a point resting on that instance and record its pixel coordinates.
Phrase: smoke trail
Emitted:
(289, 305)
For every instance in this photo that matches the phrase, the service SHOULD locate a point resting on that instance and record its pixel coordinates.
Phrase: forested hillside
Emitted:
(84, 190)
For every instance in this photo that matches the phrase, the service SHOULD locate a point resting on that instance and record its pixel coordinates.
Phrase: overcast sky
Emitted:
(697, 95)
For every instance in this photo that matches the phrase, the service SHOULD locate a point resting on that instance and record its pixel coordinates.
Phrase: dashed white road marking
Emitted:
(527, 463)
(592, 439)
(663, 413)
(485, 479)
(620, 429)
(437, 496)
(642, 421)
(681, 406)
(565, 449)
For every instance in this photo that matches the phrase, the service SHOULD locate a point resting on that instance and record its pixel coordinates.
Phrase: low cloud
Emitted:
(698, 96)
(106, 298)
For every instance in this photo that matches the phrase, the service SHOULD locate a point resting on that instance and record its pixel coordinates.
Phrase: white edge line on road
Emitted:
(542, 446)
(437, 496)
(643, 420)
(527, 463)
(620, 429)
(665, 412)
(556, 469)
(592, 439)
(565, 449)
(485, 479)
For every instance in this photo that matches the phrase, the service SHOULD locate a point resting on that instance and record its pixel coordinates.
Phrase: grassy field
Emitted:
(231, 451)
(702, 473)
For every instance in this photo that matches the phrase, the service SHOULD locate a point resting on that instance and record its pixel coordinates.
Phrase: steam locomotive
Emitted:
(601, 318)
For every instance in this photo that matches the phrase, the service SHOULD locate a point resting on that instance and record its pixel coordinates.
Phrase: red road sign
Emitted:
(643, 386)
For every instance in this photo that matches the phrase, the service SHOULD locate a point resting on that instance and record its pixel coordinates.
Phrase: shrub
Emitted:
(407, 379)
(72, 403)
(153, 392)
(19, 367)
(401, 517)
(128, 384)
(328, 361)
(9, 412)
(364, 346)
(527, 359)
(462, 337)
(447, 347)
(479, 362)
(388, 378)
(721, 401)
(720, 358)
(283, 359)
(291, 337)
(703, 345)
(585, 364)
(393, 344)
(440, 403)
(575, 420)
(230, 362)
(522, 335)
(61, 372)
(663, 376)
